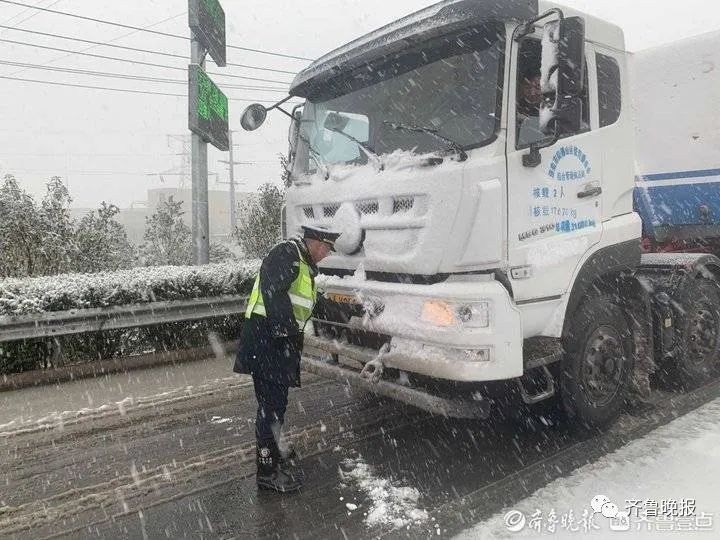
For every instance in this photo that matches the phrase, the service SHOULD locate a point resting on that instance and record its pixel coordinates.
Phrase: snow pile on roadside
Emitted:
(135, 286)
(667, 481)
(390, 505)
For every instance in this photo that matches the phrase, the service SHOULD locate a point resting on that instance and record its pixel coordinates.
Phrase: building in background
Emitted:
(133, 218)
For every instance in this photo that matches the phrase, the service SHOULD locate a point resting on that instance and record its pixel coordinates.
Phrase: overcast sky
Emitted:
(109, 144)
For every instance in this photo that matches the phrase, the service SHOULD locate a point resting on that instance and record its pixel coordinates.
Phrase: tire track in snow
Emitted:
(120, 408)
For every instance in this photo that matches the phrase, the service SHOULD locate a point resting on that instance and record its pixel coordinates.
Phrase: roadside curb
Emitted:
(27, 379)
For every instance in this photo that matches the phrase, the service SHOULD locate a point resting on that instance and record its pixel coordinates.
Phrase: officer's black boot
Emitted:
(271, 474)
(290, 463)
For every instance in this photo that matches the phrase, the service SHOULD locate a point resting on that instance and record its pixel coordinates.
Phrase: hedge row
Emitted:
(136, 286)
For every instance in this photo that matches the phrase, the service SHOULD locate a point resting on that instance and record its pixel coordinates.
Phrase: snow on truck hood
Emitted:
(393, 220)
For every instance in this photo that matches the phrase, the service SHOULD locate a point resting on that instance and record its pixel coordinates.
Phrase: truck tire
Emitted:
(598, 364)
(697, 324)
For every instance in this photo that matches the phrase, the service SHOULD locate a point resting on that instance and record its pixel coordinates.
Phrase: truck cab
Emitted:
(478, 158)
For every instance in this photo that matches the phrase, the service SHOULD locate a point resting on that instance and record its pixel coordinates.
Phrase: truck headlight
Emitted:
(474, 315)
(470, 314)
(438, 313)
(478, 355)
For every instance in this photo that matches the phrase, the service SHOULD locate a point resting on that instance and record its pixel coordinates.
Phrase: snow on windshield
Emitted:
(455, 80)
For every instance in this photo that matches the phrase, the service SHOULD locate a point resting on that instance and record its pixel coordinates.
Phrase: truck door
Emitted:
(554, 209)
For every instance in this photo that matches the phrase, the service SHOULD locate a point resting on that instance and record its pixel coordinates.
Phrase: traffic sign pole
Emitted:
(200, 214)
(233, 204)
(208, 112)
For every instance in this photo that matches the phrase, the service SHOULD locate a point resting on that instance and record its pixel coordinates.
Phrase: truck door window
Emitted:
(529, 97)
(609, 89)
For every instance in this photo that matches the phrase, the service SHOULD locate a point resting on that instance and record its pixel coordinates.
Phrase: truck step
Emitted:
(541, 351)
(451, 408)
(547, 392)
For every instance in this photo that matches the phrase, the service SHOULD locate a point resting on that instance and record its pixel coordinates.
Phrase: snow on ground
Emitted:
(664, 483)
(220, 420)
(43, 407)
(389, 505)
(58, 419)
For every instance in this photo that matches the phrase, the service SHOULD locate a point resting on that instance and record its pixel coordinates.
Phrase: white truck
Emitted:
(490, 252)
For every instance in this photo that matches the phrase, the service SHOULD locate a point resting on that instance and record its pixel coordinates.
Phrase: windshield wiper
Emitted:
(459, 150)
(369, 152)
(317, 157)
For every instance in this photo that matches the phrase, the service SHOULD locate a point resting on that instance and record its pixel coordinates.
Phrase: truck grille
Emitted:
(368, 207)
(333, 312)
(403, 204)
(329, 211)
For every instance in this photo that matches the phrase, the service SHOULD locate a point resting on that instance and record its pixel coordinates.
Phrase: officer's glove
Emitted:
(282, 331)
(279, 333)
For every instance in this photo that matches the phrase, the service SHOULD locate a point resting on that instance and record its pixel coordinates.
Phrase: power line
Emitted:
(146, 92)
(47, 34)
(33, 15)
(137, 155)
(138, 62)
(76, 154)
(24, 11)
(156, 32)
(135, 49)
(76, 71)
(80, 172)
(93, 87)
(126, 34)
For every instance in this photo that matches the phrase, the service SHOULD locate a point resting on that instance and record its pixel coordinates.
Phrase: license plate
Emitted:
(343, 298)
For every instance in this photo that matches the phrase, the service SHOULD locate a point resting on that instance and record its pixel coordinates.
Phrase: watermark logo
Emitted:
(666, 515)
(515, 521)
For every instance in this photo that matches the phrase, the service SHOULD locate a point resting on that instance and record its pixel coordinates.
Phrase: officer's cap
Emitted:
(323, 234)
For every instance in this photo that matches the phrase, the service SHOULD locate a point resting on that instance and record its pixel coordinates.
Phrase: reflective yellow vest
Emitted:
(302, 292)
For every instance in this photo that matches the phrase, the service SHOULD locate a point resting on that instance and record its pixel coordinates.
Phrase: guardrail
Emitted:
(80, 321)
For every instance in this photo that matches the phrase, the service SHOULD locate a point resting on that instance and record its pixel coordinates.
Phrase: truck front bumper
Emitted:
(468, 331)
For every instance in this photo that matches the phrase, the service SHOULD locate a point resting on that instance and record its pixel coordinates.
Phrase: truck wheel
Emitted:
(698, 326)
(598, 363)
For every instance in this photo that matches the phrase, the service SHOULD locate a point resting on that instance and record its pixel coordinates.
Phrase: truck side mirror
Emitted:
(253, 117)
(562, 76)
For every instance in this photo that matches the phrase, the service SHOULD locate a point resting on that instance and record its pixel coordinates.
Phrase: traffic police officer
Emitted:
(281, 303)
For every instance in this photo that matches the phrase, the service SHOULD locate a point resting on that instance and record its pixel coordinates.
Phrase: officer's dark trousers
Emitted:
(272, 401)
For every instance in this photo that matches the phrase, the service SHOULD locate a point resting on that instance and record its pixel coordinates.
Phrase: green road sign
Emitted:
(208, 109)
(207, 21)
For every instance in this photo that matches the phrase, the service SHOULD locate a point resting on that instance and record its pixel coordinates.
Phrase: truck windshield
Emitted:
(451, 85)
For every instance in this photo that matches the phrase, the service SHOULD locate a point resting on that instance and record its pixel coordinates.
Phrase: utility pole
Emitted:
(67, 171)
(185, 154)
(231, 164)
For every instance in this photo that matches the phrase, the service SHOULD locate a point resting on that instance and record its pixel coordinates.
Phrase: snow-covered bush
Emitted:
(29, 296)
(259, 228)
(42, 239)
(134, 286)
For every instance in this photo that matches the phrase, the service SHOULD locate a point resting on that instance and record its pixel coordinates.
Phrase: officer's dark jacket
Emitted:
(270, 347)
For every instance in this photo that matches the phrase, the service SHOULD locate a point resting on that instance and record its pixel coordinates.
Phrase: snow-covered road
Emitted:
(174, 456)
(43, 404)
(665, 482)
